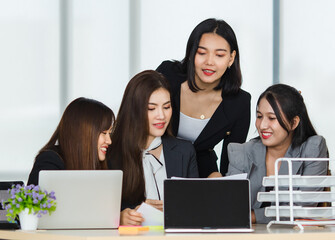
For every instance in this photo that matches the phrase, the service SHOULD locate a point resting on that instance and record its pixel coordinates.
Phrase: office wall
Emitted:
(99, 48)
(29, 75)
(307, 59)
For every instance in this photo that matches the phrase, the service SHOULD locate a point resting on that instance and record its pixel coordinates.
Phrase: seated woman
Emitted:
(80, 141)
(285, 130)
(143, 147)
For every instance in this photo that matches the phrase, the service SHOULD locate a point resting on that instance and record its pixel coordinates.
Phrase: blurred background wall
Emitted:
(53, 51)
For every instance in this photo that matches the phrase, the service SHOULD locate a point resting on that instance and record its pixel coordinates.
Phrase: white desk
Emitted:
(275, 233)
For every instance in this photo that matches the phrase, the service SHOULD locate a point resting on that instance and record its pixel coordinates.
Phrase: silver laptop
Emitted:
(85, 199)
(207, 206)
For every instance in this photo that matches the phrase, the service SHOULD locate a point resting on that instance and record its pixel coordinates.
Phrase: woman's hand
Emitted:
(155, 203)
(253, 217)
(214, 175)
(131, 217)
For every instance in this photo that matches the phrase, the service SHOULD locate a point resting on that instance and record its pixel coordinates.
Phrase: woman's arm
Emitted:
(236, 154)
(314, 147)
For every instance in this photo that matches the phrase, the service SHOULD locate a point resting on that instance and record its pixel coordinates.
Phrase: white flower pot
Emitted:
(28, 221)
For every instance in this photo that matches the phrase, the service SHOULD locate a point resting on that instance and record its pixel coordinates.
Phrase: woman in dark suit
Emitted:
(143, 148)
(208, 103)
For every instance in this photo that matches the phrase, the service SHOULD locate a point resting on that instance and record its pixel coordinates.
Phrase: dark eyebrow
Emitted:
(266, 112)
(219, 49)
(157, 104)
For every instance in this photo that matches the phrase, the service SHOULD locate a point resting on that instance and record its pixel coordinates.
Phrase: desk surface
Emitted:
(261, 232)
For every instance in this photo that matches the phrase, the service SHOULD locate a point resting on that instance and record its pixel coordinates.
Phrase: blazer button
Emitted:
(228, 133)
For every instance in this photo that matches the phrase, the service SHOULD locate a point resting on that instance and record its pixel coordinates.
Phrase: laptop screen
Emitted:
(206, 204)
(4, 195)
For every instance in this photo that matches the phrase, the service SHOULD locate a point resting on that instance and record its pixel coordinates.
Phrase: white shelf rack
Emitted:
(319, 215)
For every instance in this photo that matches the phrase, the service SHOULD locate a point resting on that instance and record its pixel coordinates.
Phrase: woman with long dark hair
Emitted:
(285, 130)
(143, 147)
(80, 141)
(208, 104)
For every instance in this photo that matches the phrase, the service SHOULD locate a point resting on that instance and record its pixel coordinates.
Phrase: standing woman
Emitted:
(80, 141)
(285, 130)
(143, 148)
(208, 103)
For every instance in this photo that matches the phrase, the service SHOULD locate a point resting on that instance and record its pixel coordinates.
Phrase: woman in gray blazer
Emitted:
(285, 130)
(143, 148)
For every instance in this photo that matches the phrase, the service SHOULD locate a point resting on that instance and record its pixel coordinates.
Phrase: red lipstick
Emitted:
(159, 125)
(208, 72)
(266, 135)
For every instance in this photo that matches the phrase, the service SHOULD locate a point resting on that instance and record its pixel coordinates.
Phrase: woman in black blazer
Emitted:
(208, 103)
(80, 141)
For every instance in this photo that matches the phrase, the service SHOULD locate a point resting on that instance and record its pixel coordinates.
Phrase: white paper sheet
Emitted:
(240, 176)
(152, 216)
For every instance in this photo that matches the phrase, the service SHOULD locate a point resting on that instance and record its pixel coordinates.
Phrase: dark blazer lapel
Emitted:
(176, 110)
(173, 159)
(217, 122)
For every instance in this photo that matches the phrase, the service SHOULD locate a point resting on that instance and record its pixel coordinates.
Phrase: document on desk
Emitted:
(240, 176)
(152, 216)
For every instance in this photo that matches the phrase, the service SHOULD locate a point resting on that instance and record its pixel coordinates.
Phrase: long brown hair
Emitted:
(131, 131)
(77, 134)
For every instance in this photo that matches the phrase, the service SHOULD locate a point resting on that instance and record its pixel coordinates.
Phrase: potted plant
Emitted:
(29, 203)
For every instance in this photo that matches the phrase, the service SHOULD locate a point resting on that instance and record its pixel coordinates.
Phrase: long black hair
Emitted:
(231, 80)
(287, 103)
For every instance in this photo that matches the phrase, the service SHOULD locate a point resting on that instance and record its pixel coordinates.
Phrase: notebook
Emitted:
(207, 206)
(85, 199)
(4, 195)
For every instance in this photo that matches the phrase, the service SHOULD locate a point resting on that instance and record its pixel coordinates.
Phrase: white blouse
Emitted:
(190, 128)
(154, 171)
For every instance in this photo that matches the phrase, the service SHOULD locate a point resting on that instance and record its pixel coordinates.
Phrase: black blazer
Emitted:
(230, 121)
(47, 160)
(180, 158)
(180, 161)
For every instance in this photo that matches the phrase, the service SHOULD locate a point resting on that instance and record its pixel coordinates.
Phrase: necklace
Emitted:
(198, 106)
(202, 116)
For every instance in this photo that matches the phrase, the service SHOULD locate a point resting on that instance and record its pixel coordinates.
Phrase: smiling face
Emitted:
(212, 59)
(270, 131)
(104, 141)
(159, 113)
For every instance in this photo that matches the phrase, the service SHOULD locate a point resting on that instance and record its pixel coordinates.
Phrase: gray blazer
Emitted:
(249, 158)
